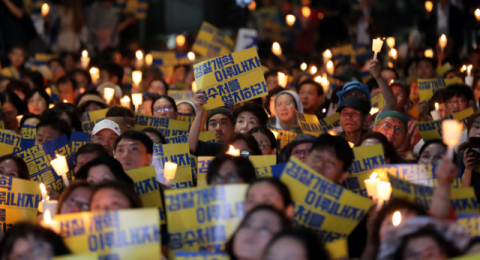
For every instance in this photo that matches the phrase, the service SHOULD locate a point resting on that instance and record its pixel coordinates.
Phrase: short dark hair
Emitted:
(340, 147)
(137, 136)
(42, 93)
(84, 73)
(244, 166)
(272, 72)
(163, 82)
(156, 132)
(170, 99)
(334, 98)
(68, 79)
(311, 82)
(28, 116)
(388, 149)
(23, 172)
(72, 112)
(429, 142)
(126, 190)
(458, 90)
(17, 85)
(430, 60)
(392, 70)
(97, 149)
(264, 130)
(253, 108)
(69, 189)
(279, 186)
(36, 77)
(9, 96)
(57, 124)
(314, 247)
(112, 163)
(120, 112)
(248, 138)
(372, 84)
(18, 47)
(60, 61)
(113, 69)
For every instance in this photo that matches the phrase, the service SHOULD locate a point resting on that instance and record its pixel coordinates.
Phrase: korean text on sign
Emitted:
(212, 42)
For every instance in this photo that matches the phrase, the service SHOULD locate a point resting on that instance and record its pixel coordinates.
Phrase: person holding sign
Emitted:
(248, 116)
(286, 102)
(227, 169)
(164, 107)
(134, 149)
(105, 133)
(393, 125)
(114, 195)
(353, 117)
(457, 97)
(51, 128)
(14, 166)
(391, 156)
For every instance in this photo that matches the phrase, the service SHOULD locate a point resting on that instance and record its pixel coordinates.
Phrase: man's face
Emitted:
(132, 154)
(106, 138)
(105, 77)
(392, 128)
(45, 134)
(222, 126)
(272, 82)
(82, 81)
(402, 98)
(351, 120)
(425, 70)
(83, 159)
(66, 92)
(456, 104)
(57, 71)
(16, 57)
(309, 96)
(325, 163)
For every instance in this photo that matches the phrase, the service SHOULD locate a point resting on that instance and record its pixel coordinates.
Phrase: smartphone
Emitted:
(474, 147)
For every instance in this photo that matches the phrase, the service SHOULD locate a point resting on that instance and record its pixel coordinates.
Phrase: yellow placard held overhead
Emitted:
(9, 142)
(421, 174)
(428, 87)
(230, 79)
(176, 153)
(212, 42)
(463, 116)
(89, 119)
(179, 95)
(309, 124)
(367, 158)
(124, 234)
(430, 129)
(18, 201)
(168, 127)
(328, 123)
(196, 212)
(329, 209)
(202, 166)
(378, 101)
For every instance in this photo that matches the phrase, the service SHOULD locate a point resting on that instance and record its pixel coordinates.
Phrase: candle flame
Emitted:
(137, 99)
(65, 101)
(139, 54)
(45, 9)
(252, 6)
(137, 76)
(180, 39)
(327, 54)
(436, 106)
(429, 6)
(374, 110)
(306, 11)
(391, 42)
(191, 56)
(276, 49)
(477, 14)
(463, 69)
(303, 67)
(290, 19)
(397, 218)
(313, 70)
(373, 176)
(428, 53)
(84, 53)
(149, 59)
(351, 144)
(393, 54)
(47, 216)
(93, 70)
(233, 152)
(43, 189)
(125, 99)
(333, 133)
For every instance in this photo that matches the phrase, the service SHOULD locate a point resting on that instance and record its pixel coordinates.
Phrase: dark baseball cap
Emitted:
(356, 103)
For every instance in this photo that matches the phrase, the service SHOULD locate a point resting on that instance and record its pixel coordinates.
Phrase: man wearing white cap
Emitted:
(106, 133)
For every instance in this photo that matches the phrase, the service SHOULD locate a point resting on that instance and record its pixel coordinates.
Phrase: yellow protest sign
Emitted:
(207, 136)
(186, 118)
(467, 257)
(212, 42)
(9, 142)
(283, 137)
(328, 123)
(168, 127)
(430, 129)
(309, 124)
(262, 164)
(428, 87)
(445, 67)
(421, 174)
(230, 79)
(378, 101)
(184, 255)
(367, 158)
(215, 210)
(322, 205)
(18, 201)
(89, 119)
(471, 222)
(86, 256)
(179, 95)
(202, 166)
(176, 153)
(463, 200)
(124, 234)
(337, 249)
(463, 116)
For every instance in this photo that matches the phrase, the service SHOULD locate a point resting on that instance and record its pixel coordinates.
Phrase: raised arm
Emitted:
(446, 173)
(15, 10)
(197, 122)
(385, 89)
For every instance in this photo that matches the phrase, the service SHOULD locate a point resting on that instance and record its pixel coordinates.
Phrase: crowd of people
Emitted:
(52, 98)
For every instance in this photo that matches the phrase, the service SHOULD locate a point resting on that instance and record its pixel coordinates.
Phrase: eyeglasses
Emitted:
(454, 102)
(165, 108)
(286, 104)
(297, 153)
(229, 177)
(387, 127)
(263, 145)
(78, 204)
(244, 153)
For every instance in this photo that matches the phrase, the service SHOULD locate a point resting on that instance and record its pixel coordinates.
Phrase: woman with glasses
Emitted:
(165, 107)
(75, 198)
(265, 139)
(286, 103)
(227, 169)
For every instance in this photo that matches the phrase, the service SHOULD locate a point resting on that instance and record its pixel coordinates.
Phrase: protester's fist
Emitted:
(375, 69)
(446, 171)
(198, 100)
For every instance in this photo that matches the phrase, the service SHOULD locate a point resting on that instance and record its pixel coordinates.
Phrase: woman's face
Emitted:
(286, 248)
(186, 109)
(432, 154)
(10, 114)
(285, 108)
(423, 248)
(475, 128)
(109, 199)
(263, 193)
(30, 248)
(77, 201)
(245, 122)
(254, 235)
(387, 221)
(99, 174)
(93, 106)
(36, 104)
(146, 107)
(264, 144)
(9, 168)
(163, 108)
(157, 87)
(227, 174)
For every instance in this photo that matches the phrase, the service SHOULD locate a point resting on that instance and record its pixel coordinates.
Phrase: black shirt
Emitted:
(208, 149)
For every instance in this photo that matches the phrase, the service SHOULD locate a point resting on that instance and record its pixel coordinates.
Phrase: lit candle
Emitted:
(313, 70)
(290, 19)
(275, 133)
(374, 110)
(477, 14)
(84, 60)
(333, 133)
(463, 69)
(391, 42)
(376, 47)
(384, 190)
(397, 218)
(180, 39)
(125, 101)
(51, 106)
(282, 79)
(47, 218)
(351, 144)
(19, 118)
(191, 56)
(108, 94)
(469, 77)
(371, 185)
(469, 70)
(390, 64)
(393, 54)
(137, 99)
(194, 86)
(233, 152)
(139, 55)
(252, 6)
(452, 131)
(149, 60)
(435, 113)
(442, 42)
(303, 66)
(330, 68)
(43, 189)
(276, 49)
(49, 91)
(318, 79)
(61, 168)
(428, 53)
(136, 77)
(65, 101)
(95, 74)
(169, 171)
(325, 83)
(306, 11)
(327, 56)
(428, 6)
(45, 9)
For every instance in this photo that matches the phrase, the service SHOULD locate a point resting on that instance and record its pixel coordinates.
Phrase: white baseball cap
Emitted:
(106, 124)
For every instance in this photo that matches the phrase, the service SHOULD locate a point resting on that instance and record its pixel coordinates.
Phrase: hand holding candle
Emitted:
(376, 47)
(435, 113)
(137, 99)
(61, 168)
(108, 94)
(371, 185)
(282, 79)
(442, 42)
(452, 131)
(169, 171)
